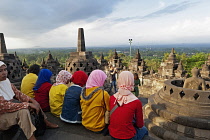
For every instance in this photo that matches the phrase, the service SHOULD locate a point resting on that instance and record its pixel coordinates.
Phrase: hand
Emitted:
(34, 102)
(35, 106)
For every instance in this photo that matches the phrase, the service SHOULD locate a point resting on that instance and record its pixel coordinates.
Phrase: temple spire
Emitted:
(115, 54)
(3, 48)
(172, 51)
(138, 56)
(81, 41)
(49, 56)
(102, 56)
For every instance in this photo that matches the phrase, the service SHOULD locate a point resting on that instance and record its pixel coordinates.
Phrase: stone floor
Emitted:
(68, 131)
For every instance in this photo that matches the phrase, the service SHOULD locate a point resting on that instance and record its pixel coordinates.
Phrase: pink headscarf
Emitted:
(62, 77)
(96, 79)
(126, 84)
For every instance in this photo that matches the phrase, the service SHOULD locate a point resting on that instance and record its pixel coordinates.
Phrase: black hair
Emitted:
(34, 69)
(136, 75)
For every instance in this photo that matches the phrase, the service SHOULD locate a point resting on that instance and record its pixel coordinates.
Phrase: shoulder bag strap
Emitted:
(114, 108)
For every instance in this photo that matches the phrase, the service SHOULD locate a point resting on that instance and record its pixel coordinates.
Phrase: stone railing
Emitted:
(173, 91)
(178, 113)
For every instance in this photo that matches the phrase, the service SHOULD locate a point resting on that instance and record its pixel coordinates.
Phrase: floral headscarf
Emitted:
(62, 77)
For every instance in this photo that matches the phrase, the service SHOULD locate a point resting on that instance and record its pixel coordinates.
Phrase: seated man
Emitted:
(12, 113)
(195, 82)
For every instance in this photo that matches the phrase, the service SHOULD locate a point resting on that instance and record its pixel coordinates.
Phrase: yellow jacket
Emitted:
(56, 96)
(93, 108)
(28, 84)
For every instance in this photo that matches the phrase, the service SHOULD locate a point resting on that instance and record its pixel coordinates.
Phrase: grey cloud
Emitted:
(171, 9)
(24, 17)
(174, 8)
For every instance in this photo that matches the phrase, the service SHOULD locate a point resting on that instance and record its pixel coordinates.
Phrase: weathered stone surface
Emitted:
(179, 111)
(14, 65)
(81, 60)
(51, 64)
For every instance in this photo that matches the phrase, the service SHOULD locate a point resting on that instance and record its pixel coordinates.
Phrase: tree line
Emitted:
(152, 56)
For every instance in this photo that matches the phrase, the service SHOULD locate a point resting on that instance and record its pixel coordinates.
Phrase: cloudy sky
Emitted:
(55, 23)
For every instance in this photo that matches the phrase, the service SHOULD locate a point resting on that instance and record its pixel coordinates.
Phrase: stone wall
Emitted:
(150, 86)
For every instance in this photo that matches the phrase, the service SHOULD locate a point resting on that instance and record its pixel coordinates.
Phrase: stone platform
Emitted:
(68, 131)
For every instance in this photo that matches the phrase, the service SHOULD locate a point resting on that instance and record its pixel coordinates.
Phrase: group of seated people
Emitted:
(85, 101)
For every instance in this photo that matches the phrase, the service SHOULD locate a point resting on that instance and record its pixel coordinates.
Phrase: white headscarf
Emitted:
(5, 87)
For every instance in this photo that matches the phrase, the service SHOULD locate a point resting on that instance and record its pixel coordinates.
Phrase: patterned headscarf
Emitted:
(126, 85)
(62, 77)
(79, 78)
(96, 79)
(44, 76)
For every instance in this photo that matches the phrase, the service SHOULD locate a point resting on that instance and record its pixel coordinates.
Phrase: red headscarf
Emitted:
(79, 78)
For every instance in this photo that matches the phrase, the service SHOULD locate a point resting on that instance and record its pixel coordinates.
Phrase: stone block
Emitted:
(181, 128)
(189, 132)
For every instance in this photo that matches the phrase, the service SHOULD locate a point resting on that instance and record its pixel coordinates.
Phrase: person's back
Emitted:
(71, 111)
(42, 88)
(29, 80)
(94, 102)
(56, 96)
(42, 96)
(126, 116)
(122, 119)
(93, 108)
(195, 82)
(28, 83)
(57, 92)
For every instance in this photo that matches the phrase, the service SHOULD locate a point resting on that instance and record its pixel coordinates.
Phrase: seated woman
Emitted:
(128, 111)
(42, 89)
(58, 91)
(29, 80)
(94, 102)
(16, 113)
(71, 111)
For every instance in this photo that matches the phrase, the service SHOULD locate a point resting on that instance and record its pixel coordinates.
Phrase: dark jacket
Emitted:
(71, 111)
